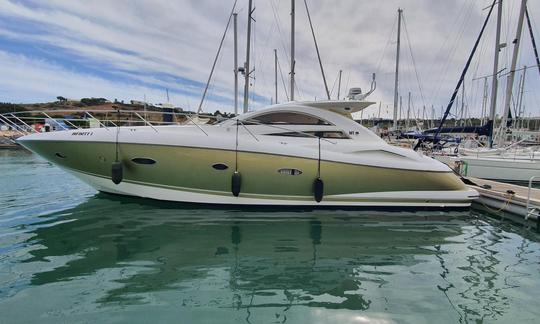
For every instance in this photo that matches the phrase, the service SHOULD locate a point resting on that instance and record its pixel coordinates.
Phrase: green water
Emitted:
(70, 255)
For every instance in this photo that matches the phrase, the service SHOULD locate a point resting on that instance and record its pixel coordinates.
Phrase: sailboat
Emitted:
(508, 163)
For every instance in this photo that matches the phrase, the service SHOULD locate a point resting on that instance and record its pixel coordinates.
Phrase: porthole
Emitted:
(144, 161)
(60, 155)
(292, 172)
(220, 166)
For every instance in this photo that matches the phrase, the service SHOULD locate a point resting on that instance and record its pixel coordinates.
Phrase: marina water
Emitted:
(69, 254)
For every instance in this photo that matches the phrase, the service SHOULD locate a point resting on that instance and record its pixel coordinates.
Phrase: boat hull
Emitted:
(494, 168)
(189, 174)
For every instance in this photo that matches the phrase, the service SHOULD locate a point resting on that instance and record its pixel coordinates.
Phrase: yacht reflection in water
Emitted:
(248, 261)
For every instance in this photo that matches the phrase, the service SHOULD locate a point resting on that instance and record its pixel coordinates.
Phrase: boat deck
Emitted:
(498, 197)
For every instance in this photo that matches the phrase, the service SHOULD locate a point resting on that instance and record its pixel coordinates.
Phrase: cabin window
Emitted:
(144, 161)
(287, 118)
(220, 166)
(311, 134)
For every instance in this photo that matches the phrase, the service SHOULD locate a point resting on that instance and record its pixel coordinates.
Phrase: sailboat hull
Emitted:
(494, 168)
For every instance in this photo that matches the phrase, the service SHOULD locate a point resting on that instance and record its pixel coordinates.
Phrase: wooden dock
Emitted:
(499, 197)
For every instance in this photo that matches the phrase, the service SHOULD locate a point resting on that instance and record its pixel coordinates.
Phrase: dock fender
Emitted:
(117, 172)
(236, 182)
(318, 189)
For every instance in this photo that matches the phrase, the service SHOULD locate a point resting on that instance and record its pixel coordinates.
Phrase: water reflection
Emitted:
(265, 265)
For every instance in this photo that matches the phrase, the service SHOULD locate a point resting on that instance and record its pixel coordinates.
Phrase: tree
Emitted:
(93, 101)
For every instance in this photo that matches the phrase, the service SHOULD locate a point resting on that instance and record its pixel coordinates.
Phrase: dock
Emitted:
(498, 197)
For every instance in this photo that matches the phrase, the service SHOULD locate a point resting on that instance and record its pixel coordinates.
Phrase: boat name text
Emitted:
(82, 133)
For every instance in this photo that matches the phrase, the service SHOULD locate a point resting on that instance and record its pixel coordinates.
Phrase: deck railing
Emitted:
(22, 121)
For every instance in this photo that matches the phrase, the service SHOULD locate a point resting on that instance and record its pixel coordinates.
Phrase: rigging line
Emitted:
(300, 94)
(446, 38)
(334, 84)
(117, 133)
(317, 49)
(453, 46)
(281, 38)
(535, 27)
(263, 55)
(508, 32)
(236, 149)
(319, 160)
(481, 53)
(413, 61)
(348, 78)
(283, 80)
(532, 38)
(253, 84)
(463, 73)
(388, 41)
(216, 58)
(453, 50)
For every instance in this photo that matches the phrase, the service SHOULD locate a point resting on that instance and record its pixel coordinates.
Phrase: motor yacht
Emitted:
(290, 154)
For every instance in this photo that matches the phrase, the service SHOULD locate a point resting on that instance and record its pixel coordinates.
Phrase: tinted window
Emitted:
(288, 118)
(323, 134)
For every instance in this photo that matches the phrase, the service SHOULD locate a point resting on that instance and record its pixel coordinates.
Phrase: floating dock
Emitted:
(498, 197)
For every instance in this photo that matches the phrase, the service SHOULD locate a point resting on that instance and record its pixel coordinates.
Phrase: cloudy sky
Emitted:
(129, 49)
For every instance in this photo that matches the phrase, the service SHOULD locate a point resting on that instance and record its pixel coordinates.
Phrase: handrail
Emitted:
(70, 123)
(244, 126)
(141, 119)
(17, 127)
(529, 213)
(146, 122)
(44, 113)
(99, 121)
(198, 126)
(25, 124)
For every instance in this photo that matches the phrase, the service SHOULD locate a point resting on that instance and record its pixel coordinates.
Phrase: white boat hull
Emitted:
(493, 168)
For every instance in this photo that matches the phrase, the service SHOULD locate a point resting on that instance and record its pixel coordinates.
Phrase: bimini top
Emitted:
(342, 107)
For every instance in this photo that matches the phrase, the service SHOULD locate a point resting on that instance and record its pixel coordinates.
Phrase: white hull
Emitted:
(494, 168)
(442, 199)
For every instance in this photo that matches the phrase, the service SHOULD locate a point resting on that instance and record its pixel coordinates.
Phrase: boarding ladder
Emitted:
(532, 210)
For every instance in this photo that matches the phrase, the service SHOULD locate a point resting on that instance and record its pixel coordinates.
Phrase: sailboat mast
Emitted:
(484, 102)
(495, 83)
(235, 16)
(396, 95)
(275, 76)
(512, 74)
(520, 111)
(292, 50)
(408, 112)
(246, 65)
(339, 85)
(461, 121)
